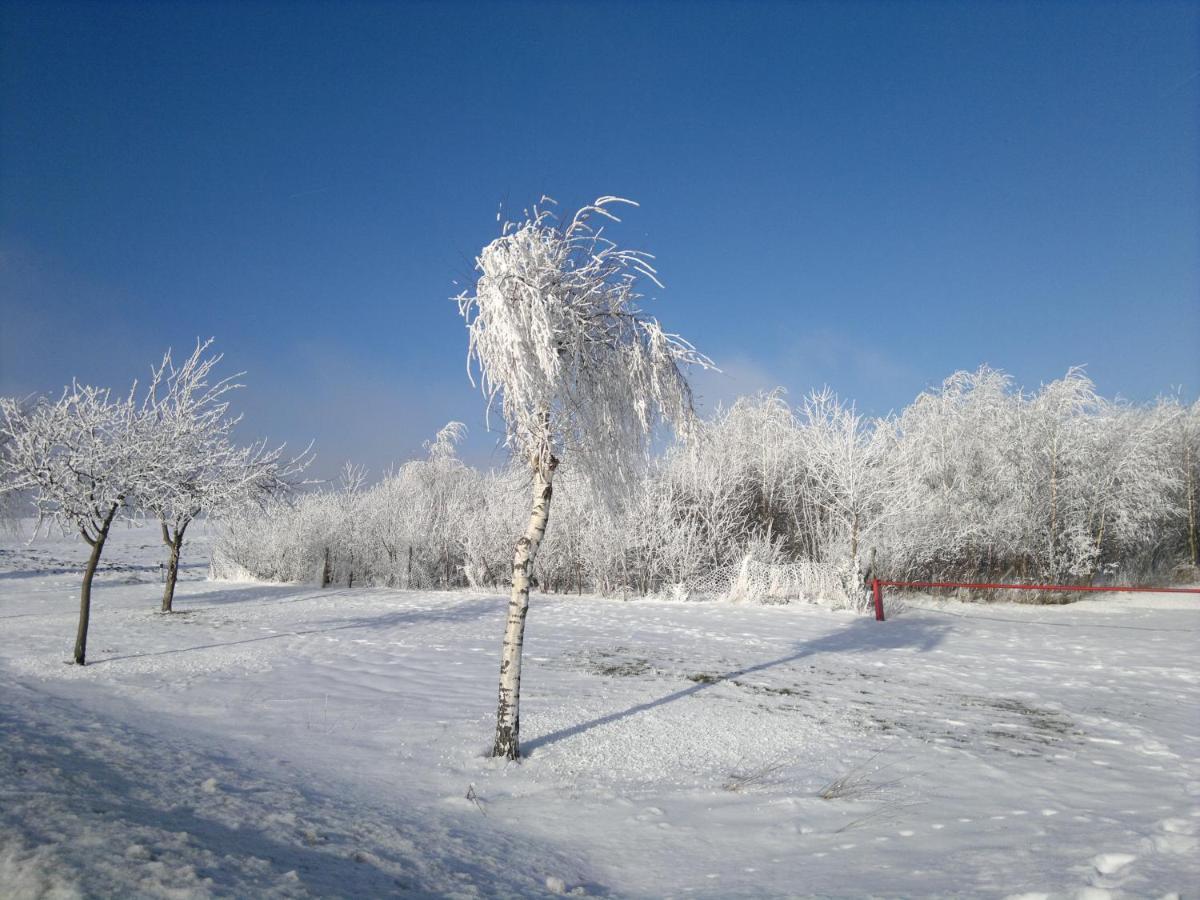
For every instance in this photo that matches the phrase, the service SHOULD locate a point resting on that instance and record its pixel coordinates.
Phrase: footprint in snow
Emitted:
(1154, 748)
(1178, 837)
(1178, 826)
(1175, 843)
(1112, 863)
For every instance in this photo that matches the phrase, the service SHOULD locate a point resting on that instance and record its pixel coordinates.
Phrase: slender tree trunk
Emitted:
(85, 592)
(175, 543)
(1054, 511)
(1193, 543)
(1099, 550)
(508, 714)
(391, 552)
(408, 574)
(326, 570)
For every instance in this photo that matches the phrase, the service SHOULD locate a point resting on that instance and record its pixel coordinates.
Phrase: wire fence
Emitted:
(877, 586)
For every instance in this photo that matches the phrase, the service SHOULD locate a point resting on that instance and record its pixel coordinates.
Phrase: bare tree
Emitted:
(83, 459)
(559, 341)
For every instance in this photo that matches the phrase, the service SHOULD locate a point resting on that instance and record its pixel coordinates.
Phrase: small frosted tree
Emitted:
(83, 461)
(852, 467)
(1059, 430)
(195, 465)
(346, 503)
(959, 464)
(577, 370)
(443, 480)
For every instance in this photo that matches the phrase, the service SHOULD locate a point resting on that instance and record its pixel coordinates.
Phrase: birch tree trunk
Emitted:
(508, 713)
(85, 592)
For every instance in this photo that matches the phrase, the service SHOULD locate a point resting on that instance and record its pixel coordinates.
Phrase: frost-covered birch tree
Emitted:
(577, 370)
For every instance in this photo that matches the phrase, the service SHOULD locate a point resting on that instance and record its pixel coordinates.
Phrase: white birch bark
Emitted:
(508, 714)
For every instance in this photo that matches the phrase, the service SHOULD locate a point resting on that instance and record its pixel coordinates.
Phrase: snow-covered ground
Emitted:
(274, 741)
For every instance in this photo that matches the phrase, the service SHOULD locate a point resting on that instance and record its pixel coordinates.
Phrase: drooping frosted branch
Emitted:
(564, 350)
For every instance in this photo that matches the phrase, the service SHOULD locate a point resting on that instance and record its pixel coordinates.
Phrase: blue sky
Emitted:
(868, 196)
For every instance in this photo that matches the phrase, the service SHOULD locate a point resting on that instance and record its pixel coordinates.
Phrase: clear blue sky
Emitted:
(868, 196)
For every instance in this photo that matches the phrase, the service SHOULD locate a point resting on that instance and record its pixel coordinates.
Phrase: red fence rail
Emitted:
(877, 586)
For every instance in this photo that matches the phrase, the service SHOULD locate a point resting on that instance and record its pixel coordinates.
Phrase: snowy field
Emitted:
(275, 741)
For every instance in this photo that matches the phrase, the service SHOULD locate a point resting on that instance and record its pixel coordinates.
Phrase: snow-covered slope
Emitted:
(287, 741)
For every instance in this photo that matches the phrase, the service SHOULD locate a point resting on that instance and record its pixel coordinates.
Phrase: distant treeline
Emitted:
(976, 480)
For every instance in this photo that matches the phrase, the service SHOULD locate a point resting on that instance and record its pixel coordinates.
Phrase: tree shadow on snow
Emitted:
(862, 636)
(274, 593)
(102, 571)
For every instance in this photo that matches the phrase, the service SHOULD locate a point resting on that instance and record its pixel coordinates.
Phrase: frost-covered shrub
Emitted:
(1060, 485)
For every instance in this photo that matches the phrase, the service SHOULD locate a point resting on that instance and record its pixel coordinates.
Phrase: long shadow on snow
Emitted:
(863, 635)
(231, 595)
(115, 568)
(115, 797)
(460, 612)
(183, 602)
(272, 594)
